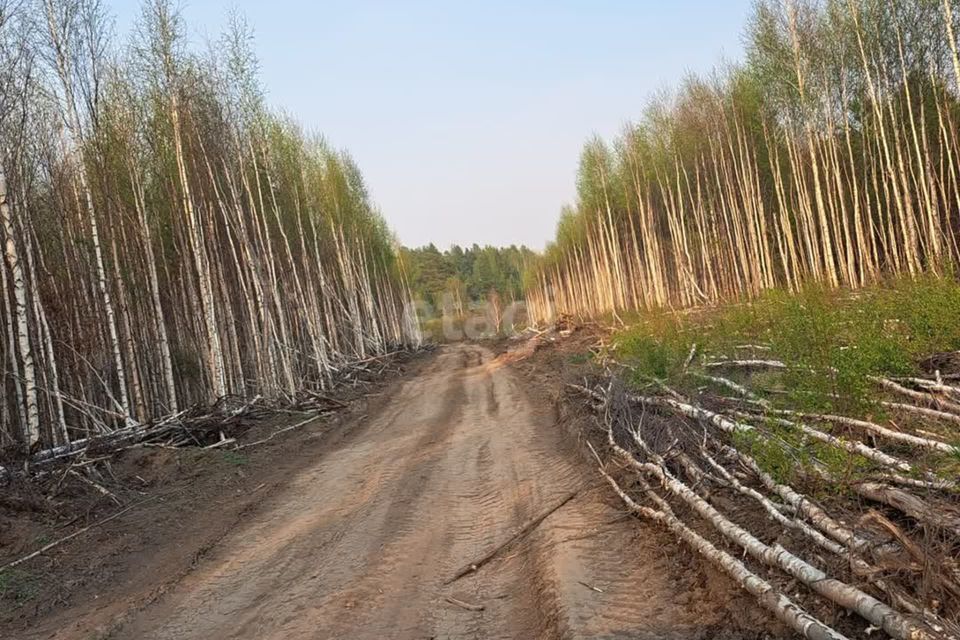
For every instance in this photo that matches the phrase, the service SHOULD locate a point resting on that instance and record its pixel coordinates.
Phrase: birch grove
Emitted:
(168, 240)
(829, 156)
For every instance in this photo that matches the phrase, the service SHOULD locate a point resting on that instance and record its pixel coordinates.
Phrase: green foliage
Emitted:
(709, 195)
(466, 274)
(770, 454)
(835, 348)
(19, 586)
(580, 358)
(234, 458)
(832, 340)
(655, 349)
(848, 337)
(784, 453)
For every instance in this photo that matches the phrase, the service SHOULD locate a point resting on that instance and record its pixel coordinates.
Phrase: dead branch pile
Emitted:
(730, 477)
(220, 425)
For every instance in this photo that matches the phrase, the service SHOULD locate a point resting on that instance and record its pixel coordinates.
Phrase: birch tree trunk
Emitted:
(59, 35)
(31, 426)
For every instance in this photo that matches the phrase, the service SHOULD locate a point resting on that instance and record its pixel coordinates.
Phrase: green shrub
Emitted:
(655, 348)
(18, 585)
(833, 340)
(235, 458)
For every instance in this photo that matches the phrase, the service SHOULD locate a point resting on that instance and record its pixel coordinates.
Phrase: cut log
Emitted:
(872, 427)
(746, 364)
(776, 510)
(923, 411)
(919, 396)
(838, 592)
(785, 610)
(909, 504)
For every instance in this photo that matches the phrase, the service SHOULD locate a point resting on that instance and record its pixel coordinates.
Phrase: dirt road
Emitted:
(457, 460)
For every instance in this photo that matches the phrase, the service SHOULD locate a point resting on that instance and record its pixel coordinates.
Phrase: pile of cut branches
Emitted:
(813, 514)
(218, 425)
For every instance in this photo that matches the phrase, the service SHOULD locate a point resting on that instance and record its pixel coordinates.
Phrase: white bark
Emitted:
(890, 434)
(781, 606)
(845, 595)
(940, 403)
(820, 518)
(746, 364)
(850, 446)
(57, 36)
(51, 354)
(774, 509)
(166, 362)
(923, 411)
(31, 428)
(201, 261)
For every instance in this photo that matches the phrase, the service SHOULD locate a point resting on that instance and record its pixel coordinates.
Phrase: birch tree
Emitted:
(828, 156)
(168, 240)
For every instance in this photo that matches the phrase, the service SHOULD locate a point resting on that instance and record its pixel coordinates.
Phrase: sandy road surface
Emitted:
(361, 544)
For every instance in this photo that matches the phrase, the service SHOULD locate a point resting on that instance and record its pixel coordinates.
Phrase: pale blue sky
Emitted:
(467, 119)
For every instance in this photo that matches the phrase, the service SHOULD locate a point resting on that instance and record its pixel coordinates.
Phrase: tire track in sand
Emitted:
(360, 545)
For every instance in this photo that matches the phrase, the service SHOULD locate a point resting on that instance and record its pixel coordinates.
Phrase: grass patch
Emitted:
(786, 454)
(833, 340)
(235, 458)
(580, 358)
(18, 586)
(655, 347)
(778, 461)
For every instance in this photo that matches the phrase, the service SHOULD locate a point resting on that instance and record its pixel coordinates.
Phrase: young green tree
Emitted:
(829, 156)
(168, 240)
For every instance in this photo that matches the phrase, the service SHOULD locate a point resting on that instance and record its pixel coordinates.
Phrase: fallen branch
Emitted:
(738, 388)
(859, 566)
(221, 443)
(195, 421)
(850, 446)
(933, 385)
(745, 364)
(590, 586)
(916, 395)
(872, 427)
(796, 500)
(820, 518)
(523, 532)
(99, 488)
(911, 505)
(731, 426)
(929, 483)
(76, 533)
(776, 510)
(279, 431)
(754, 347)
(698, 413)
(929, 413)
(782, 607)
(841, 593)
